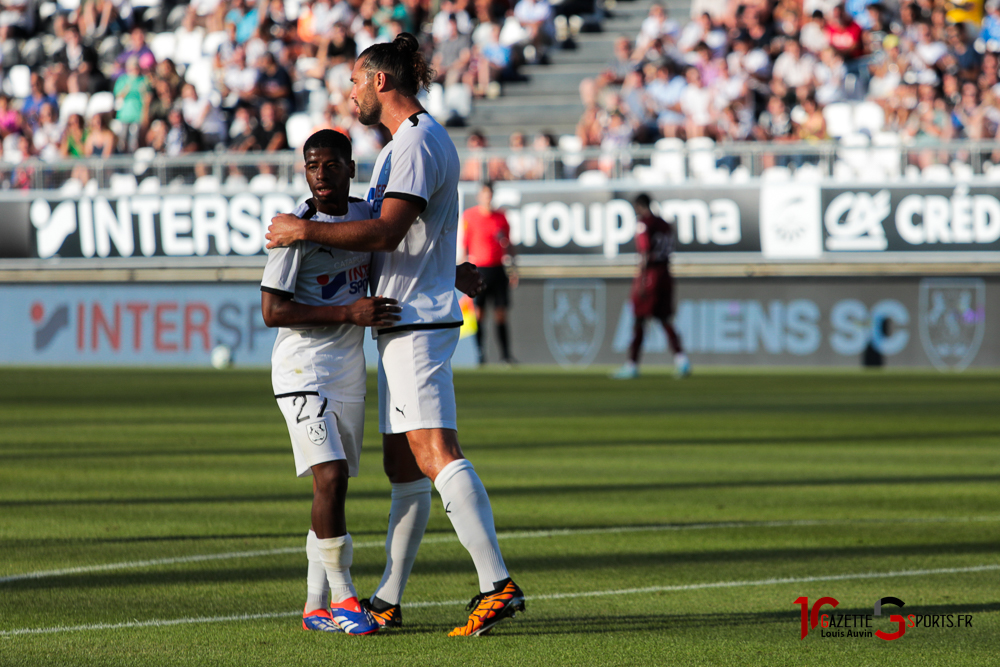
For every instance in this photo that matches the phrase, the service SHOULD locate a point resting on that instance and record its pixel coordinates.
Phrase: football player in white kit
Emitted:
(317, 295)
(414, 193)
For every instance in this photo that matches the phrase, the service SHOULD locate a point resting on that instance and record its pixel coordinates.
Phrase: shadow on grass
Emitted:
(591, 490)
(225, 572)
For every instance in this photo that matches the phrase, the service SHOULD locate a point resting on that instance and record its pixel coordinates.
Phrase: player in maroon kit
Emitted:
(487, 244)
(653, 289)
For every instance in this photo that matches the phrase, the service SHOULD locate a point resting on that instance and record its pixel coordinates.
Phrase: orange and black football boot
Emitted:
(488, 609)
(389, 617)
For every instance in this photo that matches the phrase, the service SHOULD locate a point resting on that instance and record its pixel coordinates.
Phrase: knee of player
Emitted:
(331, 478)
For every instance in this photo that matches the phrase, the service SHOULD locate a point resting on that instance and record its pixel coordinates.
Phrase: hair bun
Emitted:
(406, 43)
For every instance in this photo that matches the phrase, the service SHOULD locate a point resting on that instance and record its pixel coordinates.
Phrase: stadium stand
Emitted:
(584, 85)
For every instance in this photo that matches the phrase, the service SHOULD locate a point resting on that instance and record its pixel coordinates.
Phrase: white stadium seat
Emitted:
(122, 184)
(936, 173)
(19, 77)
(668, 159)
(102, 102)
(163, 45)
(298, 128)
(73, 103)
(592, 177)
(868, 117)
(839, 119)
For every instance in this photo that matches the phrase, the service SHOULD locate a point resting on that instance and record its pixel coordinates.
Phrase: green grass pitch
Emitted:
(144, 513)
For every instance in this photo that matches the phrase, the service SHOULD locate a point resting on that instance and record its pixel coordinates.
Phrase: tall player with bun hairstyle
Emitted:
(414, 193)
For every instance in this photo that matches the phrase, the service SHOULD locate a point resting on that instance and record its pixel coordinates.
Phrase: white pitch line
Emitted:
(561, 532)
(552, 596)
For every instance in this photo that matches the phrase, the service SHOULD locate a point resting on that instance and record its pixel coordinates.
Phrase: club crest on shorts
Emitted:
(317, 432)
(952, 320)
(574, 320)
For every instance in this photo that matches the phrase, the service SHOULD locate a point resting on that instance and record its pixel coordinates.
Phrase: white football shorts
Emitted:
(415, 385)
(323, 430)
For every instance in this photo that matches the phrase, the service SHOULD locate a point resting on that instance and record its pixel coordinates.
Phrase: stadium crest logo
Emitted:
(952, 320)
(317, 432)
(574, 320)
(789, 222)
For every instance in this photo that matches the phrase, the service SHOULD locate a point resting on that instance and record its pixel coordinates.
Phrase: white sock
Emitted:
(337, 553)
(408, 514)
(680, 359)
(468, 507)
(317, 585)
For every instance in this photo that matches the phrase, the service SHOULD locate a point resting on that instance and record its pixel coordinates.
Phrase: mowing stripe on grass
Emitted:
(128, 565)
(552, 596)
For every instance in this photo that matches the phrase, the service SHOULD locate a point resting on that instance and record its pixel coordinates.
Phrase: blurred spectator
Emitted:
(74, 138)
(451, 55)
(101, 141)
(794, 67)
(616, 136)
(476, 166)
(491, 63)
(808, 126)
(36, 100)
(537, 18)
(17, 19)
(929, 123)
(131, 91)
(238, 83)
(844, 35)
(181, 138)
(267, 135)
(157, 103)
(449, 10)
(274, 84)
(202, 115)
(520, 165)
(613, 74)
(656, 26)
(774, 125)
(245, 16)
(138, 51)
(695, 105)
(990, 31)
(812, 36)
(665, 91)
(10, 119)
(47, 136)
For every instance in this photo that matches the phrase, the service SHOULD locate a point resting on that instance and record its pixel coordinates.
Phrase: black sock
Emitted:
(479, 341)
(502, 337)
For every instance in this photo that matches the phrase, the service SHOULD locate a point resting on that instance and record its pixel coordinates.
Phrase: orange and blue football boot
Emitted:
(352, 618)
(488, 609)
(321, 620)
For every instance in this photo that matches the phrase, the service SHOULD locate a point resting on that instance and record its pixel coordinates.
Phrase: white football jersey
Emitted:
(330, 358)
(420, 164)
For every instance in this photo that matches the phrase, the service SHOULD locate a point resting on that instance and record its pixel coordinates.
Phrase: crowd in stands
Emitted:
(761, 70)
(96, 78)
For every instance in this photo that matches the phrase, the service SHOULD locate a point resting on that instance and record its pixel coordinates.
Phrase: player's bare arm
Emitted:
(280, 311)
(383, 234)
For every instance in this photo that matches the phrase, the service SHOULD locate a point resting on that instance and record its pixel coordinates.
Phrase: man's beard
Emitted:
(369, 110)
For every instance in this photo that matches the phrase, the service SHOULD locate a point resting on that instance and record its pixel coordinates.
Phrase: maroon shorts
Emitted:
(653, 293)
